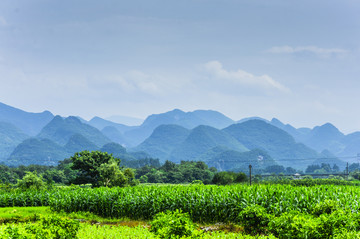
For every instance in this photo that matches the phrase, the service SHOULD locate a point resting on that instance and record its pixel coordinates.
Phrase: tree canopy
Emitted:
(99, 169)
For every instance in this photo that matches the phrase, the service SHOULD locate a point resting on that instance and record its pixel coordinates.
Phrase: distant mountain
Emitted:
(163, 141)
(201, 140)
(257, 134)
(133, 159)
(351, 147)
(100, 124)
(187, 120)
(37, 151)
(231, 160)
(29, 123)
(114, 135)
(328, 158)
(323, 137)
(251, 118)
(126, 120)
(78, 143)
(10, 137)
(61, 130)
(298, 135)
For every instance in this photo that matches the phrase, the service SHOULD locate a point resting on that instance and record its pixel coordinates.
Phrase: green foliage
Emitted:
(226, 178)
(59, 227)
(255, 219)
(295, 225)
(325, 207)
(110, 174)
(31, 181)
(223, 178)
(185, 172)
(50, 227)
(197, 182)
(99, 169)
(173, 225)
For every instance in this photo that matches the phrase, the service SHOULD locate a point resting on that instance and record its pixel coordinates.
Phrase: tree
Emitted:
(275, 169)
(240, 177)
(99, 169)
(223, 178)
(31, 181)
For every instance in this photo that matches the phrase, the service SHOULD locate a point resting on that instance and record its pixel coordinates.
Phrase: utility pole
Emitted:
(347, 171)
(250, 173)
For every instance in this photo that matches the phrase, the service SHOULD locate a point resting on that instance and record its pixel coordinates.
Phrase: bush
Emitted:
(197, 182)
(173, 225)
(337, 221)
(295, 225)
(51, 227)
(223, 178)
(326, 207)
(255, 219)
(31, 181)
(240, 178)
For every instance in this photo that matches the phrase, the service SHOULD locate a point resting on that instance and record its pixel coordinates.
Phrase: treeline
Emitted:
(63, 173)
(102, 169)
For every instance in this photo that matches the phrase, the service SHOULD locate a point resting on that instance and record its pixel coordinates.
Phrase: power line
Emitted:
(290, 159)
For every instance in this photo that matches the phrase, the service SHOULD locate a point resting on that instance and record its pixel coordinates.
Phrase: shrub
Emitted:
(326, 207)
(54, 227)
(51, 227)
(197, 182)
(331, 224)
(241, 177)
(255, 219)
(295, 225)
(223, 178)
(31, 181)
(173, 225)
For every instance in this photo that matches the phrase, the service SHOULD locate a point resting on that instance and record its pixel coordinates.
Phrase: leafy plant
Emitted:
(295, 225)
(173, 225)
(255, 219)
(325, 207)
(31, 181)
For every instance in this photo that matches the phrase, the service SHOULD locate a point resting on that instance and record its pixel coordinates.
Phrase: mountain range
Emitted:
(206, 135)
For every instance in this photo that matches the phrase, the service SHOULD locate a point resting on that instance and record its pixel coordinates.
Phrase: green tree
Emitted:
(99, 169)
(31, 181)
(111, 175)
(223, 178)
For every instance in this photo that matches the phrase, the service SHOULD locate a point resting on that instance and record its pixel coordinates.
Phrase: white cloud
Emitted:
(312, 49)
(242, 78)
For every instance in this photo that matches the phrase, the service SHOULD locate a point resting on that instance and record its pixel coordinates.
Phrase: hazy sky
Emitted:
(298, 61)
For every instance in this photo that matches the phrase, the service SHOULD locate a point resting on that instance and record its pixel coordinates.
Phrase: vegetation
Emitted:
(100, 169)
(273, 210)
(173, 224)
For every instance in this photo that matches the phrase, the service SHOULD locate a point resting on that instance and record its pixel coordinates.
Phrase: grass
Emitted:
(22, 214)
(31, 214)
(96, 227)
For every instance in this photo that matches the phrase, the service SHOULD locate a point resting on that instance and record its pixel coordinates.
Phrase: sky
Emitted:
(297, 61)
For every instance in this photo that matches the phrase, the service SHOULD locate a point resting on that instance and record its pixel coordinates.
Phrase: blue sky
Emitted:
(294, 60)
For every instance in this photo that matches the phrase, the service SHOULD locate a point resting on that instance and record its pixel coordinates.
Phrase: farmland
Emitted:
(321, 211)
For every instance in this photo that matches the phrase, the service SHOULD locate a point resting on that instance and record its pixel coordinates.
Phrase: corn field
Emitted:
(203, 203)
(29, 198)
